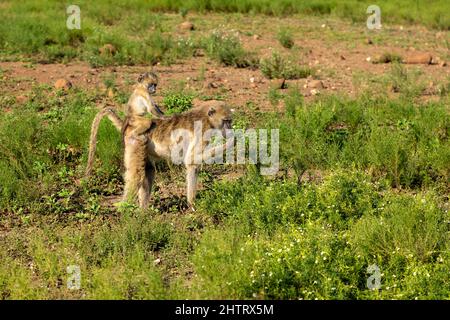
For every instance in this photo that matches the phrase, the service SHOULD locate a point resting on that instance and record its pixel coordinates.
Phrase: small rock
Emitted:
(369, 41)
(252, 79)
(324, 25)
(443, 64)
(316, 84)
(157, 261)
(440, 35)
(342, 57)
(213, 85)
(368, 59)
(110, 93)
(256, 37)
(21, 99)
(63, 84)
(199, 53)
(187, 26)
(314, 92)
(102, 87)
(419, 58)
(108, 49)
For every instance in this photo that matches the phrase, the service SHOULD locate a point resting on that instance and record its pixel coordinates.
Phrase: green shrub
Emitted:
(284, 36)
(405, 82)
(281, 241)
(403, 142)
(278, 67)
(177, 102)
(411, 227)
(309, 262)
(227, 50)
(342, 198)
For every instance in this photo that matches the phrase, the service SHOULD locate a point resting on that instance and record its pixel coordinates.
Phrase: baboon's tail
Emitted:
(117, 122)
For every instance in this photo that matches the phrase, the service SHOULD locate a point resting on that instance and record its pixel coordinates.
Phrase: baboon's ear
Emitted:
(211, 111)
(142, 77)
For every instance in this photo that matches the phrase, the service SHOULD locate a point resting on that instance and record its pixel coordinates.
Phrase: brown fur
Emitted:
(115, 119)
(139, 106)
(158, 143)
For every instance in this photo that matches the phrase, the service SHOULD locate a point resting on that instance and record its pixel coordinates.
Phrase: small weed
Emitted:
(284, 36)
(278, 67)
(227, 50)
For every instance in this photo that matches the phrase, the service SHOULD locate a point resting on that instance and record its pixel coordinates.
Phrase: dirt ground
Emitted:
(341, 54)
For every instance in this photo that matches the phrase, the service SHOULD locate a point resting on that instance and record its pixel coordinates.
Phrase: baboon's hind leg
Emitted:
(191, 182)
(146, 187)
(134, 160)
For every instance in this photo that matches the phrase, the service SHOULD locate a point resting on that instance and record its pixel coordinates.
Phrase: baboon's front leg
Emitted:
(191, 182)
(134, 161)
(146, 187)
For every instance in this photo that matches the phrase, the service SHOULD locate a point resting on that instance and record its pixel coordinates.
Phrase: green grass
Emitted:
(432, 13)
(37, 31)
(139, 39)
(396, 139)
(48, 151)
(284, 240)
(379, 167)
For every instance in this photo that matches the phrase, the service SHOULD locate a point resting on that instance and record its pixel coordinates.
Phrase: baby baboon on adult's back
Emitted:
(139, 108)
(160, 141)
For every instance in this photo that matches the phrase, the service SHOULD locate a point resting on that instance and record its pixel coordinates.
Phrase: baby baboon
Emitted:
(139, 107)
(160, 143)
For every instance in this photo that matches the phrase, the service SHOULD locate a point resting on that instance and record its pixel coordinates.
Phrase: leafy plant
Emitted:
(277, 67)
(227, 50)
(177, 102)
(284, 36)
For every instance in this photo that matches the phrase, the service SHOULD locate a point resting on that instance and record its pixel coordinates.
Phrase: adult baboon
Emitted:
(161, 141)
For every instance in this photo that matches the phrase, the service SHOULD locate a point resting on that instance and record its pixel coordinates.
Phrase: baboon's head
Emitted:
(149, 80)
(219, 116)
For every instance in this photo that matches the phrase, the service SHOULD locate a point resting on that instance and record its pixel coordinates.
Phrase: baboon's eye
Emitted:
(211, 112)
